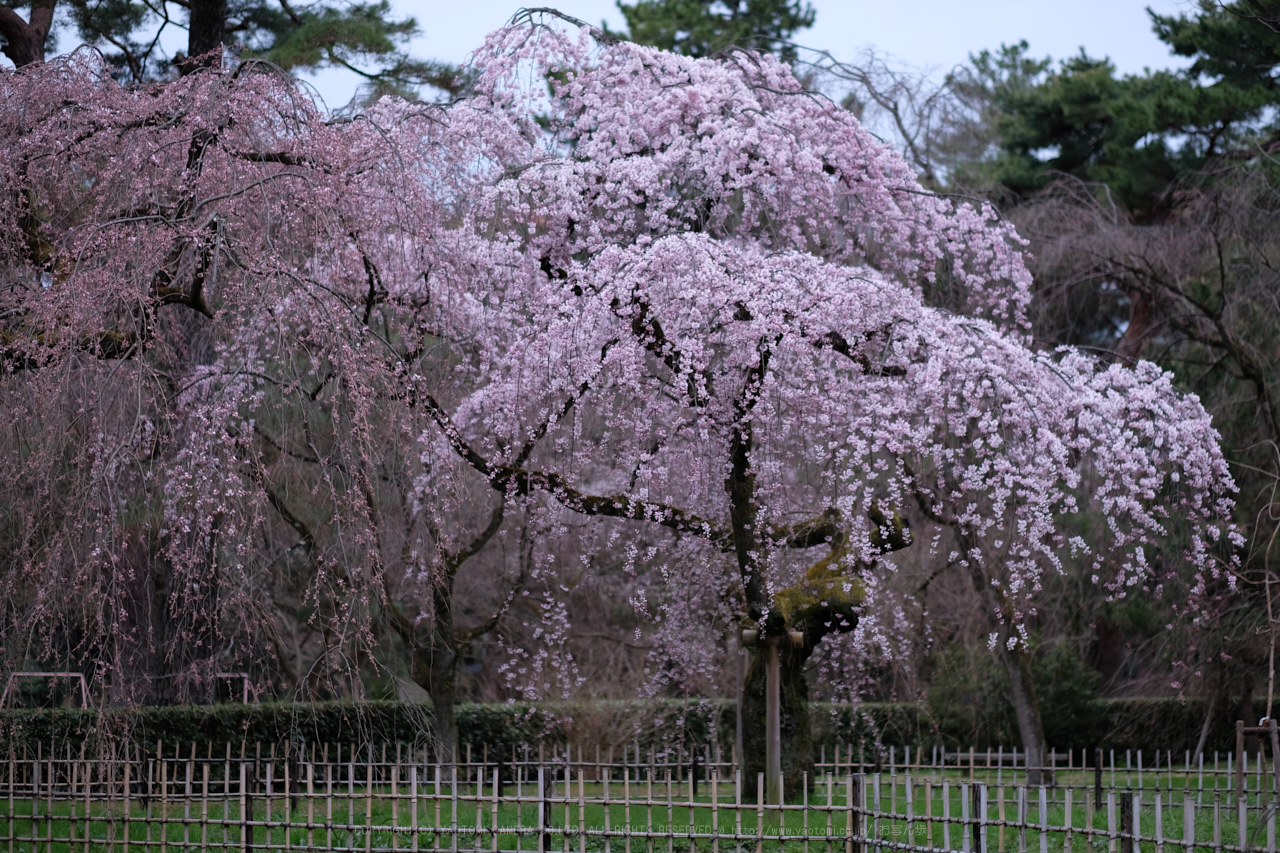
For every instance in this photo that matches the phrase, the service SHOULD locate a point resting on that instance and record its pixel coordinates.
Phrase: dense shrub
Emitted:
(1147, 724)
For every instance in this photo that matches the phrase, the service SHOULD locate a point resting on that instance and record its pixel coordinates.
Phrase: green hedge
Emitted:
(360, 723)
(1147, 724)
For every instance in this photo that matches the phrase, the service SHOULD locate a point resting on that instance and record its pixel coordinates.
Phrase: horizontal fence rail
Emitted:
(395, 798)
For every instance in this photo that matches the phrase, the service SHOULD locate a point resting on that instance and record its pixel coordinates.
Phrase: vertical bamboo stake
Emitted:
(909, 803)
(204, 808)
(151, 769)
(494, 808)
(328, 798)
(737, 807)
(368, 806)
(72, 767)
(830, 780)
(980, 805)
(289, 782)
(1089, 840)
(541, 818)
(965, 825)
(759, 813)
(946, 813)
(244, 819)
(715, 811)
(88, 782)
(35, 799)
(607, 777)
(855, 796)
(480, 802)
(395, 802)
(567, 827)
(453, 808)
(648, 806)
(1242, 828)
(351, 795)
(226, 793)
(626, 805)
(1217, 817)
(1022, 818)
(11, 815)
(1111, 821)
(671, 817)
(1044, 820)
(582, 806)
(111, 806)
(893, 785)
(693, 785)
(1188, 823)
(266, 818)
(804, 788)
(413, 807)
(188, 790)
(928, 811)
(49, 793)
(127, 808)
(1159, 822)
(1066, 820)
(164, 797)
(874, 831)
(311, 803)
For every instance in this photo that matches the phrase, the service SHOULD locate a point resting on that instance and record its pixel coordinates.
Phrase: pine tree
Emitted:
(360, 37)
(702, 27)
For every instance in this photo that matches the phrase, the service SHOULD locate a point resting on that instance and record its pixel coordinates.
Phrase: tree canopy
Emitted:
(703, 27)
(363, 38)
(1138, 134)
(319, 371)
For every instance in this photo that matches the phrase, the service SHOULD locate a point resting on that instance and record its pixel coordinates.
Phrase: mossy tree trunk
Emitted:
(797, 735)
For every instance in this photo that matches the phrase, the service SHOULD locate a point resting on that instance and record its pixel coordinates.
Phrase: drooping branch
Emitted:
(107, 345)
(839, 344)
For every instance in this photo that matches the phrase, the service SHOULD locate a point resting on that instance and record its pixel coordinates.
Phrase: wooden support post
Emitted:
(544, 838)
(1274, 731)
(978, 811)
(773, 721)
(1097, 780)
(1126, 822)
(1240, 761)
(854, 820)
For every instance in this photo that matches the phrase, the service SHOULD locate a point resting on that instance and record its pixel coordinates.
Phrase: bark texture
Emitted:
(24, 40)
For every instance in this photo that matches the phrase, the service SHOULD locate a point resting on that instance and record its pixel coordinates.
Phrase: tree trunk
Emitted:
(444, 695)
(433, 651)
(1246, 710)
(797, 736)
(207, 34)
(1026, 710)
(1017, 664)
(24, 40)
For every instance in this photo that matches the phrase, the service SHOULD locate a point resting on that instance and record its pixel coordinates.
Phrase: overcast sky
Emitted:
(923, 33)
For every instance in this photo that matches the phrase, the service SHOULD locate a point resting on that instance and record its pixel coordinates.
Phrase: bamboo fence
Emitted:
(397, 798)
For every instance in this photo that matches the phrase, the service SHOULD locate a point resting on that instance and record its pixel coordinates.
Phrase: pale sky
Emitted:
(928, 34)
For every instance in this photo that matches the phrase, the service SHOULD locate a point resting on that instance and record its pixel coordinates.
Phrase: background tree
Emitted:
(702, 27)
(1143, 198)
(362, 38)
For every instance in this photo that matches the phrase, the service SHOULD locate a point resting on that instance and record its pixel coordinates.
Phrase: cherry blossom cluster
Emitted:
(684, 303)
